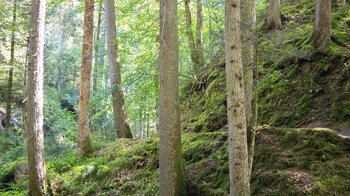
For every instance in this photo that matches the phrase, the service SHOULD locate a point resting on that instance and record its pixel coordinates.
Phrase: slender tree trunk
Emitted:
(35, 136)
(147, 125)
(26, 66)
(189, 33)
(248, 31)
(236, 110)
(171, 175)
(12, 59)
(97, 53)
(199, 28)
(120, 118)
(322, 26)
(274, 15)
(140, 125)
(84, 143)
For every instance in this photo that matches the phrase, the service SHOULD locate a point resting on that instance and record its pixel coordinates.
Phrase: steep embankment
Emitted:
(297, 87)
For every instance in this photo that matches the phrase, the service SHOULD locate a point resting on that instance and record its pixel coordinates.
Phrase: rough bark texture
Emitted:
(34, 123)
(120, 118)
(248, 25)
(322, 26)
(97, 51)
(236, 110)
(274, 15)
(84, 144)
(170, 159)
(190, 37)
(12, 59)
(199, 33)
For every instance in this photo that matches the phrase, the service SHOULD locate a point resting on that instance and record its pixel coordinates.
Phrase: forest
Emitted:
(174, 97)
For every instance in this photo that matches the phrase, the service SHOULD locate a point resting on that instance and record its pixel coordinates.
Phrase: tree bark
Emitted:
(12, 59)
(199, 28)
(248, 25)
(84, 143)
(35, 136)
(273, 15)
(171, 168)
(97, 53)
(120, 118)
(189, 33)
(236, 110)
(322, 27)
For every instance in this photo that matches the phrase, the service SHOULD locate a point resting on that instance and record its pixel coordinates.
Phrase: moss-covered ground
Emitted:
(289, 161)
(297, 88)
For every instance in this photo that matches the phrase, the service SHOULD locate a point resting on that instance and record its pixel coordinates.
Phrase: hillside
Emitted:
(303, 137)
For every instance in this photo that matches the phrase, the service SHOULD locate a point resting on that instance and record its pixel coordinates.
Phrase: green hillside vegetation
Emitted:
(303, 105)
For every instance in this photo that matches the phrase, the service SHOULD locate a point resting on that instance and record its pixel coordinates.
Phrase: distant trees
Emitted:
(84, 143)
(190, 37)
(12, 61)
(120, 118)
(170, 158)
(236, 101)
(199, 36)
(273, 20)
(321, 37)
(97, 55)
(34, 123)
(196, 47)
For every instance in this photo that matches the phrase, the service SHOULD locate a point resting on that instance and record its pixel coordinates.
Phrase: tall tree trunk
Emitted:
(189, 33)
(97, 53)
(322, 26)
(273, 15)
(199, 28)
(35, 136)
(147, 125)
(12, 59)
(171, 175)
(236, 110)
(84, 143)
(120, 118)
(248, 31)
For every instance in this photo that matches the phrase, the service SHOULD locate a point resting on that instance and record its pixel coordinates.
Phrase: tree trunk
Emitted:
(236, 110)
(199, 28)
(248, 25)
(189, 33)
(171, 168)
(120, 118)
(12, 59)
(97, 53)
(322, 26)
(84, 143)
(273, 15)
(147, 125)
(35, 136)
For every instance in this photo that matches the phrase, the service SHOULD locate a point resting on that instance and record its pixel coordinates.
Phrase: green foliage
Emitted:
(292, 161)
(204, 101)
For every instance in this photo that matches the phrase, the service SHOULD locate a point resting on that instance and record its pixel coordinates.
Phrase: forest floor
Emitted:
(303, 161)
(303, 97)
